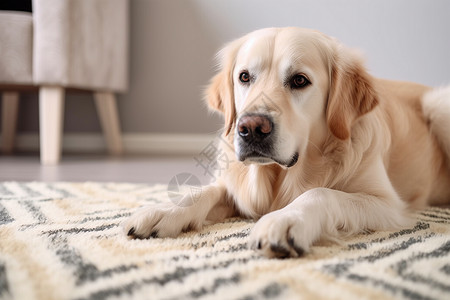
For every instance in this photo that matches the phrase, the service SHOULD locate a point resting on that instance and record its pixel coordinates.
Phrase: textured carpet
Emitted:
(62, 241)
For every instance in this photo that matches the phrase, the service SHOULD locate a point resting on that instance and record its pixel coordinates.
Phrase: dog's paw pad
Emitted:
(131, 231)
(299, 250)
(279, 251)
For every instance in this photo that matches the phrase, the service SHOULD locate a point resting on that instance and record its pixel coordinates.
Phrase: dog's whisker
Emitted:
(315, 146)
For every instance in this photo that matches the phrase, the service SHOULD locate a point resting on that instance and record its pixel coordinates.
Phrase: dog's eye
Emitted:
(299, 81)
(244, 77)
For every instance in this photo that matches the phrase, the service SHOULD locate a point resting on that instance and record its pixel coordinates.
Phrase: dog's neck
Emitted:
(271, 187)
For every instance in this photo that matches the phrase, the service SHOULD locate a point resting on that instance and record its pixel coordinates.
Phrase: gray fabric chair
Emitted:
(63, 45)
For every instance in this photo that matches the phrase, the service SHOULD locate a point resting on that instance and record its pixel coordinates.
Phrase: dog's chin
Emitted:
(260, 159)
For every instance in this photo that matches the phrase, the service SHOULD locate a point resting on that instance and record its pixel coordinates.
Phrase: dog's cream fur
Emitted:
(368, 149)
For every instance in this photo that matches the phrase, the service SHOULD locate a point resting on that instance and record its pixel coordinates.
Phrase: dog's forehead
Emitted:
(285, 47)
(257, 50)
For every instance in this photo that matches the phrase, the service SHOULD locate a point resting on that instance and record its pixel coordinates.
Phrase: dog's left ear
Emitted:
(220, 97)
(220, 93)
(352, 93)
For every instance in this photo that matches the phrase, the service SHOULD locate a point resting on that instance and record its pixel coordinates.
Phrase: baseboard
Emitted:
(134, 143)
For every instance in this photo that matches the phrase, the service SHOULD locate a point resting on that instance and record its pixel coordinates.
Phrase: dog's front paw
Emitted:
(281, 234)
(161, 220)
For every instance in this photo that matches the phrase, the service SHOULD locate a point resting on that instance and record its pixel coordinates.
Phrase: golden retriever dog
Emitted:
(320, 147)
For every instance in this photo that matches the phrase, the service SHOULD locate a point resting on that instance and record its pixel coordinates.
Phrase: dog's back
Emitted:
(417, 161)
(436, 109)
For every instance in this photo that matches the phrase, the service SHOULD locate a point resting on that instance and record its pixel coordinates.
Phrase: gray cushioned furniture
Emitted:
(63, 45)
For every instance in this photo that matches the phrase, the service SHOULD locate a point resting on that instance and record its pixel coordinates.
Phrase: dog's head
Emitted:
(281, 89)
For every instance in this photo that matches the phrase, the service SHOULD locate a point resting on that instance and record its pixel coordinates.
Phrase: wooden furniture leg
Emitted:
(109, 119)
(10, 105)
(51, 116)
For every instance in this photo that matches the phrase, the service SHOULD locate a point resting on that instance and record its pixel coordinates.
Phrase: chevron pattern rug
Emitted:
(62, 241)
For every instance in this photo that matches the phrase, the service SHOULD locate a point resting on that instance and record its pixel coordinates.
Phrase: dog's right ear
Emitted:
(220, 93)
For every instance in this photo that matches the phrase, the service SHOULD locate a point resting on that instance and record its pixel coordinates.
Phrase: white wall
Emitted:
(403, 39)
(173, 43)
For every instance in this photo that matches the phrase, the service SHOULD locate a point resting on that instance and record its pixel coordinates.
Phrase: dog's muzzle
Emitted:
(256, 140)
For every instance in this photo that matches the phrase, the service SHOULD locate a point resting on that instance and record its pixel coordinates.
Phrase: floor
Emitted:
(81, 168)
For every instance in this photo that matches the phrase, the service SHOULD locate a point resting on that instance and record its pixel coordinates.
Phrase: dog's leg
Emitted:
(170, 219)
(290, 231)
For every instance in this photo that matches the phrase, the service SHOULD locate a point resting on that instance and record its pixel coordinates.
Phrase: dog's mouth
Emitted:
(262, 159)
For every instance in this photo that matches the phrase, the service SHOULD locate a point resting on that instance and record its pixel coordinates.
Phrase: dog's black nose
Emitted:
(254, 128)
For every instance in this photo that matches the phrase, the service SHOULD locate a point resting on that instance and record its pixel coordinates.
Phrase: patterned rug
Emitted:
(62, 241)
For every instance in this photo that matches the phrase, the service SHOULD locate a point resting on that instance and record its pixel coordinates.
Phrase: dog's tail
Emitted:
(436, 109)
